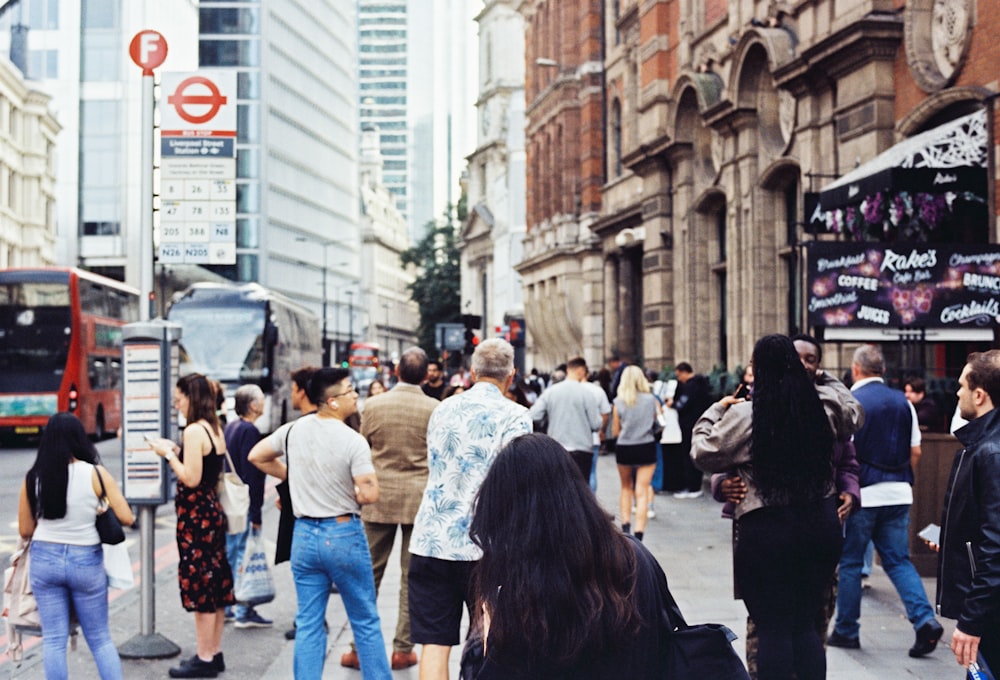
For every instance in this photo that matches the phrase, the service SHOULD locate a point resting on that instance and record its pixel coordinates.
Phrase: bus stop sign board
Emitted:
(198, 168)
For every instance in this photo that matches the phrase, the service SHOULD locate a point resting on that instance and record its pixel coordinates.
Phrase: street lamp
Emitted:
(326, 245)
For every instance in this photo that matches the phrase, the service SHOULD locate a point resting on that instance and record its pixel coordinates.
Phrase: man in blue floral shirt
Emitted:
(463, 437)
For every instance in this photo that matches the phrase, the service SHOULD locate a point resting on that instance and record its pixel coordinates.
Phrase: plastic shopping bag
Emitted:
(118, 566)
(254, 583)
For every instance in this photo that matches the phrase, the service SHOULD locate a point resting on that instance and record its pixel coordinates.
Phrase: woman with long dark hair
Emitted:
(788, 534)
(59, 503)
(203, 572)
(564, 594)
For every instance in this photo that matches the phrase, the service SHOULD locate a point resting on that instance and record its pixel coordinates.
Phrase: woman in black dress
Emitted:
(203, 573)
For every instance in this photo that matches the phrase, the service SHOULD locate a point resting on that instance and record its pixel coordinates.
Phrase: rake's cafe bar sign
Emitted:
(903, 285)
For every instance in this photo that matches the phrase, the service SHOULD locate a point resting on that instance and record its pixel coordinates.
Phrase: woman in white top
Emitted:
(60, 498)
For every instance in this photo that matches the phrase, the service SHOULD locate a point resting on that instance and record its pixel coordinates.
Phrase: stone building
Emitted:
(388, 314)
(28, 133)
(722, 119)
(491, 238)
(561, 268)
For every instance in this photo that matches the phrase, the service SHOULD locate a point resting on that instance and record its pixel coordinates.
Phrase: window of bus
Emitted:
(35, 327)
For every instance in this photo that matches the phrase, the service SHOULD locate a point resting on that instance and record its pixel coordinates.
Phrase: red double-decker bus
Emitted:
(60, 348)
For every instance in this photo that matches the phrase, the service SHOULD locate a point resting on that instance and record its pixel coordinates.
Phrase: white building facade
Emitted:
(390, 315)
(28, 134)
(495, 227)
(77, 52)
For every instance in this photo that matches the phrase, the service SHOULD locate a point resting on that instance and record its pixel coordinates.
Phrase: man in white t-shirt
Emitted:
(888, 447)
(330, 476)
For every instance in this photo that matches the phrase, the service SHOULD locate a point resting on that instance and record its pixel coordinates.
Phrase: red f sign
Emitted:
(148, 49)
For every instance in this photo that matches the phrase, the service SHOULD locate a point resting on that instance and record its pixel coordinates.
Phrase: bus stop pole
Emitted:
(146, 302)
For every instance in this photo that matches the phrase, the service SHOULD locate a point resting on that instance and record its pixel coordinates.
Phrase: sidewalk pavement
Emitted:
(688, 537)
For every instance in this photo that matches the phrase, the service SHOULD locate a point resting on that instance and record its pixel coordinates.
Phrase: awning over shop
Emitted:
(948, 158)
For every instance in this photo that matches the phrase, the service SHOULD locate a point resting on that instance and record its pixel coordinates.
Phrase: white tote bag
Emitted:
(671, 426)
(234, 496)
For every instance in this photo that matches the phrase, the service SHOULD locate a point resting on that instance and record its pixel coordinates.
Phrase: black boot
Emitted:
(627, 528)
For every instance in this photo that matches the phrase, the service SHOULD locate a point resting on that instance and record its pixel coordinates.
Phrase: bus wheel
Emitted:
(99, 432)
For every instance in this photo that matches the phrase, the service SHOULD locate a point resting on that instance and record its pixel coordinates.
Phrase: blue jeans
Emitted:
(657, 481)
(593, 469)
(236, 545)
(60, 573)
(325, 552)
(887, 528)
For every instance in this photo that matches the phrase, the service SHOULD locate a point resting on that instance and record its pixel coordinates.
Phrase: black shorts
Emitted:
(437, 591)
(636, 454)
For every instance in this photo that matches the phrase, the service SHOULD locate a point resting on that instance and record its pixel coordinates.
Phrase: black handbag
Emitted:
(696, 652)
(109, 527)
(286, 519)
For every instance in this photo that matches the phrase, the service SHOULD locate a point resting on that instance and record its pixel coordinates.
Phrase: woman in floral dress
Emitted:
(203, 573)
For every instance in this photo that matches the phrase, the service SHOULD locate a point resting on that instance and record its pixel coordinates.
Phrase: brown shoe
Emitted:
(401, 660)
(350, 660)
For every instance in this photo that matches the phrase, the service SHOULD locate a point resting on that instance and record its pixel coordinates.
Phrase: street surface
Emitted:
(688, 537)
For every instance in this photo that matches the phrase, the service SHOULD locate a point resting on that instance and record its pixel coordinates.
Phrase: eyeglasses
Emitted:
(352, 390)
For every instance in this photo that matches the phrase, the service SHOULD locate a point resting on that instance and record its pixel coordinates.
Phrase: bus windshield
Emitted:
(35, 333)
(224, 343)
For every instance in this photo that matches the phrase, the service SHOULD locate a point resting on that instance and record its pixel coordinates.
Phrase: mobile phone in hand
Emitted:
(931, 533)
(742, 392)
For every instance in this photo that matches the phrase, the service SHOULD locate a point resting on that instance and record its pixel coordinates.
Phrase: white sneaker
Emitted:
(695, 494)
(650, 514)
(681, 494)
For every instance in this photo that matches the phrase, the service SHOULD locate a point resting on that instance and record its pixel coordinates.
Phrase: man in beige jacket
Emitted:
(395, 425)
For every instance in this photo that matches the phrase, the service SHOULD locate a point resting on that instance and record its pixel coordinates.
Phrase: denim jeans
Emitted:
(236, 545)
(657, 481)
(61, 573)
(887, 528)
(325, 552)
(593, 469)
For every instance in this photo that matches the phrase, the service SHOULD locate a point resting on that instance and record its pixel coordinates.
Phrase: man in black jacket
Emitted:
(969, 566)
(692, 398)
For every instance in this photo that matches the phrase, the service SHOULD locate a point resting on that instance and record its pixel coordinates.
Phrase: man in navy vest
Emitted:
(888, 447)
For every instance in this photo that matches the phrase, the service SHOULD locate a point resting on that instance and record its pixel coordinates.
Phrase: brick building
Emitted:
(564, 139)
(721, 120)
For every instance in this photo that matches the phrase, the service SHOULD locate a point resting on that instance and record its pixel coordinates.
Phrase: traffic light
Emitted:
(470, 341)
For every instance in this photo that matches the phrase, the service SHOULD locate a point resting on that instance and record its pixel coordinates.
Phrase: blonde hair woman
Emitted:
(632, 421)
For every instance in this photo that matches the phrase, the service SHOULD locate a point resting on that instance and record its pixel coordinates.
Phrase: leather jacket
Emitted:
(968, 586)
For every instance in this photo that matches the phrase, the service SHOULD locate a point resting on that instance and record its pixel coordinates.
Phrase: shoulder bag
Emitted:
(286, 520)
(234, 496)
(19, 605)
(109, 527)
(695, 652)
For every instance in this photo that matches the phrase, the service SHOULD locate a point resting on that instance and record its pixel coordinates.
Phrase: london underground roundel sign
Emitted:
(148, 49)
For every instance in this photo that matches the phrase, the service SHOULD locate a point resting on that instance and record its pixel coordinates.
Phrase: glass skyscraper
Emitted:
(382, 84)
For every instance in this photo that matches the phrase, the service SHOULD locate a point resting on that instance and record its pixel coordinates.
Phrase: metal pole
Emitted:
(146, 302)
(147, 592)
(326, 343)
(350, 318)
